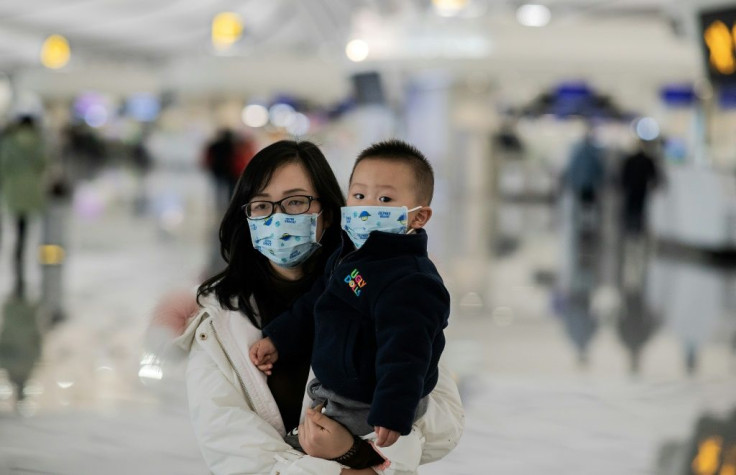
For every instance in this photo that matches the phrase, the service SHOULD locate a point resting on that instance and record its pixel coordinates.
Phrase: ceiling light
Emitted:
(281, 115)
(299, 126)
(533, 15)
(647, 129)
(255, 115)
(449, 8)
(55, 52)
(226, 30)
(357, 50)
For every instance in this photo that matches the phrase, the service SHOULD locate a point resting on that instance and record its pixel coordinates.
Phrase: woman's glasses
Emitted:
(262, 209)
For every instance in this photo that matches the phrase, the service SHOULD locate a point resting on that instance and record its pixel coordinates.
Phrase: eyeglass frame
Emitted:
(275, 203)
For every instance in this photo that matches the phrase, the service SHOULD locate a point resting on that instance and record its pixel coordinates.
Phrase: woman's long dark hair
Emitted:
(248, 273)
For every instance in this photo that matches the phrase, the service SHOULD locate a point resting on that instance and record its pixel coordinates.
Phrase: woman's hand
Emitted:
(323, 437)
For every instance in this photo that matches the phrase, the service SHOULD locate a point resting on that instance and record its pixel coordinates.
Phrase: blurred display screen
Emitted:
(727, 97)
(367, 88)
(677, 95)
(718, 38)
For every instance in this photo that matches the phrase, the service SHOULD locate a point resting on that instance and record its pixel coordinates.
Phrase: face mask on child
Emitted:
(287, 240)
(360, 221)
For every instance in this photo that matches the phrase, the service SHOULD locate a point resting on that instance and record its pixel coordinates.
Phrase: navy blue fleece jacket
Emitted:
(377, 317)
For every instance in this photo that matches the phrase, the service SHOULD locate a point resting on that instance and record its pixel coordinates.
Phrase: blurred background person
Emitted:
(20, 342)
(225, 158)
(639, 176)
(584, 172)
(22, 173)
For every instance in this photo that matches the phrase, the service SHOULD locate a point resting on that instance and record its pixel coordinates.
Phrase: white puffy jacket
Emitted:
(237, 421)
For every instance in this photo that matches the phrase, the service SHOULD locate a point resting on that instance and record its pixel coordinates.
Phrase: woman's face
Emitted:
(288, 180)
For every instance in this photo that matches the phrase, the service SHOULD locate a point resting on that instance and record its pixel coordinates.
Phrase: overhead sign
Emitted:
(718, 38)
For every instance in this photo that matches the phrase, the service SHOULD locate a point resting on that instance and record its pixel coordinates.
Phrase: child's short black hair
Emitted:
(399, 151)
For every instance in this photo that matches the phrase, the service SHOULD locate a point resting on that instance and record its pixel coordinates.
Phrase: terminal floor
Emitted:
(533, 404)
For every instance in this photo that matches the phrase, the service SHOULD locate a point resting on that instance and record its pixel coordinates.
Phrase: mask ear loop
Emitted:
(411, 230)
(324, 229)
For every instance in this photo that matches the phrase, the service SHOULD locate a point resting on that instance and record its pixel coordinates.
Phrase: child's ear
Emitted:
(421, 218)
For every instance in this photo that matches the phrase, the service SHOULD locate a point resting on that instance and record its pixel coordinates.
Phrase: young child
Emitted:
(375, 320)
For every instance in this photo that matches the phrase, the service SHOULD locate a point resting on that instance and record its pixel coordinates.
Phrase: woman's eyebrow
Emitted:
(285, 193)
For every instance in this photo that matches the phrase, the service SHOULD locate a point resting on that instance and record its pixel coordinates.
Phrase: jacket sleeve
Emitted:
(293, 331)
(234, 439)
(409, 314)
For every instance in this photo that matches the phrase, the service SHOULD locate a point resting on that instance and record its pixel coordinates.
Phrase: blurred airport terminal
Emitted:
(584, 212)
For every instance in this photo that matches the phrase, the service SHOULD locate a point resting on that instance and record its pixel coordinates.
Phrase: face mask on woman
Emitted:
(359, 221)
(287, 240)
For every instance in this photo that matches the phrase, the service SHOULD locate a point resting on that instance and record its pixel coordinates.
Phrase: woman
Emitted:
(240, 417)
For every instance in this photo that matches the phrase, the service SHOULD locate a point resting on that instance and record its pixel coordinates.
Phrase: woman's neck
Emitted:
(291, 273)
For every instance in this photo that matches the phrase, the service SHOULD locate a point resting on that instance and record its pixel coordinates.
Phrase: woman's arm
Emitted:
(234, 439)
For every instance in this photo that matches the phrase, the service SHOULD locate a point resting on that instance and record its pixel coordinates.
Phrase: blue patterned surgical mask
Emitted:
(360, 221)
(287, 240)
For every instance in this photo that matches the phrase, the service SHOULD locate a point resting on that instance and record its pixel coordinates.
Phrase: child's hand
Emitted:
(264, 354)
(386, 437)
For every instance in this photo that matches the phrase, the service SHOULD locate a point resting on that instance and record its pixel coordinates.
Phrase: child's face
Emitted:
(378, 182)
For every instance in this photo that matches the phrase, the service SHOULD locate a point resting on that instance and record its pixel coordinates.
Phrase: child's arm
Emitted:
(409, 316)
(292, 332)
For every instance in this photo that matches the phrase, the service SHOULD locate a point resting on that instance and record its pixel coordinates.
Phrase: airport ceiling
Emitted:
(153, 31)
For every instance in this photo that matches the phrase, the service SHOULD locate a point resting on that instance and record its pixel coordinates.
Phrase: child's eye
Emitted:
(358, 196)
(384, 199)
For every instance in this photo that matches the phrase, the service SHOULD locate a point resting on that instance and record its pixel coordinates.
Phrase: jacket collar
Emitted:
(389, 244)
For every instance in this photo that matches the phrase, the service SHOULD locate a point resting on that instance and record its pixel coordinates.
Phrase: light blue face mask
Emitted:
(360, 221)
(287, 240)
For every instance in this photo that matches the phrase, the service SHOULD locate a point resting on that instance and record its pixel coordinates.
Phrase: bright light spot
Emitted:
(255, 115)
(709, 453)
(55, 52)
(357, 50)
(151, 372)
(6, 392)
(647, 129)
(104, 369)
(96, 116)
(33, 389)
(471, 300)
(149, 358)
(51, 255)
(533, 15)
(449, 8)
(282, 115)
(299, 126)
(65, 384)
(172, 218)
(227, 28)
(503, 316)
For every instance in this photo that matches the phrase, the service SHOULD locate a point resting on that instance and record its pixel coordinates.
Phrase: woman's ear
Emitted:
(421, 218)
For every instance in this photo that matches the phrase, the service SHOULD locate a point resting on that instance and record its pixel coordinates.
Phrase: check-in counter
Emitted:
(696, 207)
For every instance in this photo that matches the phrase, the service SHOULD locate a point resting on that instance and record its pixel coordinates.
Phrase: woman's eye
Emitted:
(358, 196)
(384, 199)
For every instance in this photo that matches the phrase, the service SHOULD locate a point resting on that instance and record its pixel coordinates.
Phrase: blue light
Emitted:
(143, 107)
